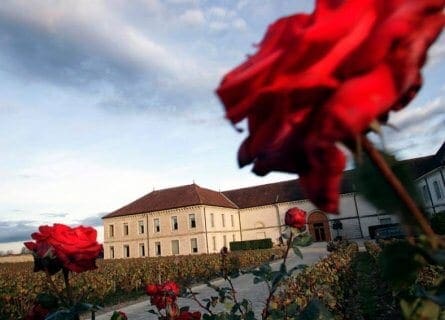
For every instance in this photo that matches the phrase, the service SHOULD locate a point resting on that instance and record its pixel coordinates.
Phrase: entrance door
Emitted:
(319, 226)
(320, 235)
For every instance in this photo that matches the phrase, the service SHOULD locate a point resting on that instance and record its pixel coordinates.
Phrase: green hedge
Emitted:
(251, 244)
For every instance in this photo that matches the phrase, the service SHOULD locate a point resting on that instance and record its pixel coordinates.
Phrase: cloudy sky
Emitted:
(102, 101)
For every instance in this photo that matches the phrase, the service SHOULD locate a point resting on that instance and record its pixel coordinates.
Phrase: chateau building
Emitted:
(191, 219)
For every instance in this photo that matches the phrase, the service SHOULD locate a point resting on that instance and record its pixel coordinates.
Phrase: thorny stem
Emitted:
(67, 285)
(53, 286)
(199, 302)
(227, 278)
(265, 312)
(289, 244)
(401, 192)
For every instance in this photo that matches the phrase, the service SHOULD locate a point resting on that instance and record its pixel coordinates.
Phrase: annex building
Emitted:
(192, 220)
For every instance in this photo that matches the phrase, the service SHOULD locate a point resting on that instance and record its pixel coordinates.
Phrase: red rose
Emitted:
(187, 315)
(76, 248)
(295, 218)
(170, 287)
(159, 301)
(151, 289)
(322, 78)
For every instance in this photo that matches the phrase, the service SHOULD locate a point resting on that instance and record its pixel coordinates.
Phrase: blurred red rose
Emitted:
(187, 315)
(151, 289)
(162, 295)
(322, 78)
(76, 248)
(171, 287)
(295, 218)
(37, 312)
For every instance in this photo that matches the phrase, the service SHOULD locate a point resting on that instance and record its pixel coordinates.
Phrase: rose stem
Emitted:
(397, 186)
(199, 302)
(53, 286)
(227, 278)
(67, 285)
(265, 312)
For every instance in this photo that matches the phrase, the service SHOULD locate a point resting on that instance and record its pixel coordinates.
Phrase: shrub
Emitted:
(373, 249)
(324, 281)
(251, 244)
(117, 280)
(336, 245)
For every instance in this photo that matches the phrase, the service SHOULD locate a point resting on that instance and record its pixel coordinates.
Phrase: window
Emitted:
(385, 220)
(175, 246)
(194, 245)
(225, 240)
(158, 248)
(212, 220)
(141, 227)
(141, 250)
(111, 229)
(174, 223)
(125, 229)
(192, 220)
(425, 194)
(111, 252)
(233, 237)
(437, 189)
(214, 243)
(126, 251)
(223, 220)
(232, 219)
(156, 225)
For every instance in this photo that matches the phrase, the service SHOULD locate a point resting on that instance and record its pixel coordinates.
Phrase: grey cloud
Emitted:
(419, 116)
(103, 51)
(93, 221)
(55, 215)
(11, 231)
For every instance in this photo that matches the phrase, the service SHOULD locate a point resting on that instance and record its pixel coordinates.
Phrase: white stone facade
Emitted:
(216, 218)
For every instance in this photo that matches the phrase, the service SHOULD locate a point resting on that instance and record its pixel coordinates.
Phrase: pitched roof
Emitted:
(423, 165)
(266, 194)
(271, 193)
(171, 198)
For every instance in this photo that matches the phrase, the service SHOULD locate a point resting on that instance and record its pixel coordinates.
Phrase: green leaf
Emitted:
(276, 314)
(82, 307)
(292, 309)
(276, 278)
(257, 280)
(297, 251)
(399, 263)
(302, 240)
(235, 308)
(315, 310)
(437, 296)
(186, 308)
(250, 315)
(47, 300)
(283, 268)
(62, 314)
(266, 268)
(116, 316)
